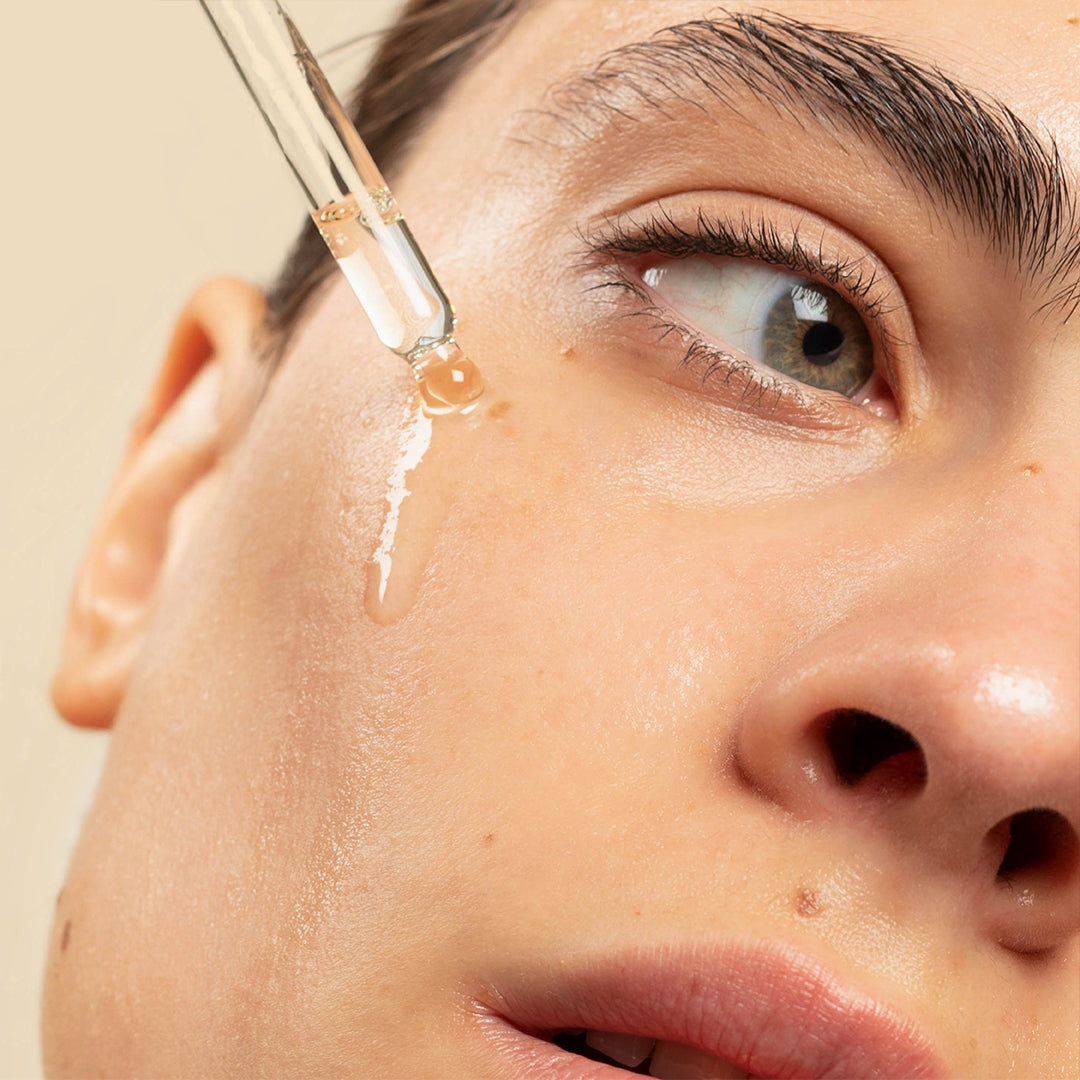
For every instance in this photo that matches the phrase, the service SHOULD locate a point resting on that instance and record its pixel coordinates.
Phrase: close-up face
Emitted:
(713, 682)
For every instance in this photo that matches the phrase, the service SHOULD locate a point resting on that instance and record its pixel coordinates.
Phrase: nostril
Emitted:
(1041, 845)
(871, 753)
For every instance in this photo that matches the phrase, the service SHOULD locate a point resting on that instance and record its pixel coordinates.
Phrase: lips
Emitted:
(768, 1010)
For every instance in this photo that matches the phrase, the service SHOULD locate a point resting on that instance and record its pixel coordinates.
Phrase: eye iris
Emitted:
(813, 335)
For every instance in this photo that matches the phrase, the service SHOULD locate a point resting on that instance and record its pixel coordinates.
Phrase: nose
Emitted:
(940, 720)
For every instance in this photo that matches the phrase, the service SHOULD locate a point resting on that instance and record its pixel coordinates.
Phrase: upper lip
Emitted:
(768, 1008)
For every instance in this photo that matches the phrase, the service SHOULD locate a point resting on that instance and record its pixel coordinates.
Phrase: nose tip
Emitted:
(1033, 733)
(971, 773)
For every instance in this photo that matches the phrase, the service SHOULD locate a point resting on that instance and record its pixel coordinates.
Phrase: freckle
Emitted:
(807, 903)
(1073, 20)
(65, 936)
(1032, 470)
(489, 838)
(569, 354)
(499, 410)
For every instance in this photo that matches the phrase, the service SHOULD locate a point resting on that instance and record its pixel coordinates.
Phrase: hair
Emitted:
(415, 65)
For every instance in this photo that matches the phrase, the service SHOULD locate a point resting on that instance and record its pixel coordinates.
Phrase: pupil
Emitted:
(821, 343)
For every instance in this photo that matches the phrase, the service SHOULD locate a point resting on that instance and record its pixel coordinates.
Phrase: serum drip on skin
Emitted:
(419, 492)
(358, 218)
(382, 604)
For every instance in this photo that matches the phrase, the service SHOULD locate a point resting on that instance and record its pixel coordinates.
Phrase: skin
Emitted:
(318, 837)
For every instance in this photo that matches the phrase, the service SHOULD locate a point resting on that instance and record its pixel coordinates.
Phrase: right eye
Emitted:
(793, 325)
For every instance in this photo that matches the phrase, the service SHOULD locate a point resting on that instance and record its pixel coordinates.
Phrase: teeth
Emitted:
(674, 1061)
(629, 1050)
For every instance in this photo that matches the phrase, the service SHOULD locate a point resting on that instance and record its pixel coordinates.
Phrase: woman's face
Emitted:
(704, 703)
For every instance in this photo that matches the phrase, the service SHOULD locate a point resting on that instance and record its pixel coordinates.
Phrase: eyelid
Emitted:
(780, 235)
(739, 381)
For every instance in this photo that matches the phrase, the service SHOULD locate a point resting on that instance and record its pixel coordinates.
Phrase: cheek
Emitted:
(325, 784)
(249, 752)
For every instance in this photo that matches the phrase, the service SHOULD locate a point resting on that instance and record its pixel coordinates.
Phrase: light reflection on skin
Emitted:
(600, 723)
(1026, 695)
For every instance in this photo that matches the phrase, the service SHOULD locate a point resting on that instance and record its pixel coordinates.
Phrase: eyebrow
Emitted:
(969, 150)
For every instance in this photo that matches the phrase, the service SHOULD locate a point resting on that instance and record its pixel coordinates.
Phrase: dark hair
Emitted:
(416, 63)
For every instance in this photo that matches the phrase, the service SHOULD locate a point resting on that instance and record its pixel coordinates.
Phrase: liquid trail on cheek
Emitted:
(419, 492)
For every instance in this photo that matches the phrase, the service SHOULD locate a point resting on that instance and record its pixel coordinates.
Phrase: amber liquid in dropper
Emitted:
(391, 286)
(449, 385)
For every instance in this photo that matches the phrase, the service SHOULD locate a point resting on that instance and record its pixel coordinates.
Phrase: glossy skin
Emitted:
(319, 839)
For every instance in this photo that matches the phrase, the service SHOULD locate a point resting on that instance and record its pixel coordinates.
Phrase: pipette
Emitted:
(349, 200)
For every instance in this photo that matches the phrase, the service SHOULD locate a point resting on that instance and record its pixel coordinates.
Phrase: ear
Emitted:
(200, 404)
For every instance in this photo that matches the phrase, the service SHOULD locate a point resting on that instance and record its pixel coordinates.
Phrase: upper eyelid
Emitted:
(755, 236)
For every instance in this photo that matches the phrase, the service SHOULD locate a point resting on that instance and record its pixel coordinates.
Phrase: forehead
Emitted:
(1028, 55)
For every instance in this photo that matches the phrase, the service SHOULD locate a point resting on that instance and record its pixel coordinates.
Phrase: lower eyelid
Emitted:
(731, 380)
(705, 368)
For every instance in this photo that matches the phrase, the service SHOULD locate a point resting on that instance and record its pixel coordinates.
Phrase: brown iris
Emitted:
(813, 335)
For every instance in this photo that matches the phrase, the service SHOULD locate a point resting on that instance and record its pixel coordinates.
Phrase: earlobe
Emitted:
(197, 409)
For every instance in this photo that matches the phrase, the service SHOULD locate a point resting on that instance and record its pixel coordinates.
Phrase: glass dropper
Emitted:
(350, 202)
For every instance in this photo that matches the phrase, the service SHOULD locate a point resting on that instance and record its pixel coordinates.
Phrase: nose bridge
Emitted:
(994, 645)
(1005, 617)
(986, 681)
(1005, 592)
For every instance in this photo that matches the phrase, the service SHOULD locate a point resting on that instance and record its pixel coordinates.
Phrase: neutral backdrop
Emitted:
(134, 166)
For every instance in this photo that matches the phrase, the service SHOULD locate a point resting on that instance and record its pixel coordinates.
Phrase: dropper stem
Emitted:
(350, 202)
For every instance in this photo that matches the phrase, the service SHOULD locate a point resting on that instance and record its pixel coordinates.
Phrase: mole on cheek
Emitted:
(806, 902)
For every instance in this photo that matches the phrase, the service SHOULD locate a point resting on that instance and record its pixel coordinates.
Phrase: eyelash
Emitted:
(746, 237)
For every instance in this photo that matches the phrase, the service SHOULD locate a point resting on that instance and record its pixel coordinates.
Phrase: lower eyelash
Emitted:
(713, 364)
(757, 386)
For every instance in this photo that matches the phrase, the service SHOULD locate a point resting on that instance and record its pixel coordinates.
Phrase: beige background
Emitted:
(133, 167)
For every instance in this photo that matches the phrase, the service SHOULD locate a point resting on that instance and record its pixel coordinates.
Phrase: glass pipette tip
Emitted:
(349, 200)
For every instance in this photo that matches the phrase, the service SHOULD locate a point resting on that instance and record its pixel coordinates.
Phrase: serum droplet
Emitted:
(449, 380)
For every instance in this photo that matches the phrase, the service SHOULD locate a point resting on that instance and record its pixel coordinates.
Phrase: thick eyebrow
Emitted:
(969, 150)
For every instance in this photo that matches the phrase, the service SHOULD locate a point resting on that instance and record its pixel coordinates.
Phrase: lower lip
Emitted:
(779, 1013)
(517, 1055)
